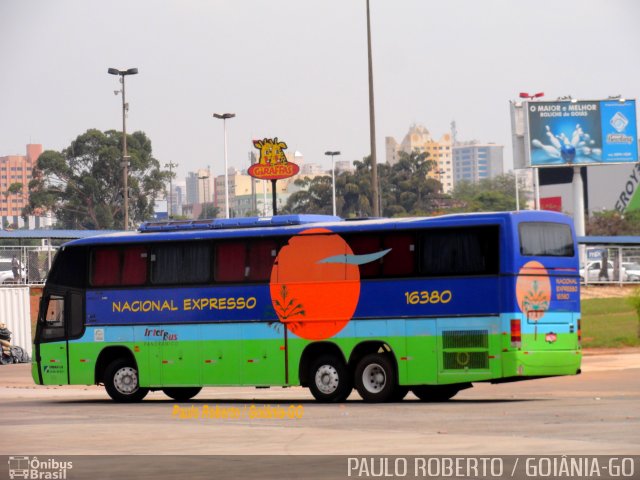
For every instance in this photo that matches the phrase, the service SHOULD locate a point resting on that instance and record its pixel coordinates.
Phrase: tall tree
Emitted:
(82, 185)
(406, 187)
(314, 196)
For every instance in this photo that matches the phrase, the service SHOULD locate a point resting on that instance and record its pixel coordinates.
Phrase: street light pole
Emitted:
(333, 179)
(170, 165)
(224, 117)
(125, 155)
(204, 195)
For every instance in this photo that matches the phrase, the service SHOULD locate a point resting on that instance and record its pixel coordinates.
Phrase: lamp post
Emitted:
(333, 178)
(204, 194)
(170, 165)
(224, 117)
(125, 156)
(515, 174)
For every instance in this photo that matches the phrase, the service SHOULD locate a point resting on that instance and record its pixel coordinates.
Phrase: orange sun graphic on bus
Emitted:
(315, 286)
(533, 290)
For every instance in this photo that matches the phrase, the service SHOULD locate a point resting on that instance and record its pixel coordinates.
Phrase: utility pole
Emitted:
(372, 126)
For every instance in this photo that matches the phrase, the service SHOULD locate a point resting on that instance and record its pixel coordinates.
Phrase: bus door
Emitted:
(52, 346)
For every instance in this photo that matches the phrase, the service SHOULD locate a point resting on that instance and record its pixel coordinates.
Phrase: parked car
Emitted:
(632, 271)
(594, 272)
(6, 272)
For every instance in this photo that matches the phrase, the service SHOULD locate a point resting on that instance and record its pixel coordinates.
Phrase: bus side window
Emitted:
(401, 260)
(366, 244)
(134, 266)
(230, 262)
(180, 263)
(105, 267)
(458, 251)
(119, 266)
(262, 254)
(54, 318)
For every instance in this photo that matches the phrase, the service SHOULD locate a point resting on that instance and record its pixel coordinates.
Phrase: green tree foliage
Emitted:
(353, 190)
(209, 210)
(15, 188)
(405, 189)
(488, 195)
(314, 196)
(612, 222)
(83, 184)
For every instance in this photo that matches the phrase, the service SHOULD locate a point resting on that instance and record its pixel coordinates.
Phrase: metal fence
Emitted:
(25, 265)
(610, 265)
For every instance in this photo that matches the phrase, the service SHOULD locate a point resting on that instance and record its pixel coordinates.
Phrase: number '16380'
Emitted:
(424, 297)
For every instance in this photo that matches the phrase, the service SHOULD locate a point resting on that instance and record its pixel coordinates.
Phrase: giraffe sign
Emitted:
(273, 164)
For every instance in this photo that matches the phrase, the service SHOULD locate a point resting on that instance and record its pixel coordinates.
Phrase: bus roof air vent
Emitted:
(232, 223)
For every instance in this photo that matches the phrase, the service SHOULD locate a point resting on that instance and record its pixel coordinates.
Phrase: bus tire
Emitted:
(435, 393)
(121, 382)
(181, 394)
(330, 381)
(376, 378)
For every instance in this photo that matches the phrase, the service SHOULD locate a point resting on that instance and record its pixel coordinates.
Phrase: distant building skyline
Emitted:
(418, 138)
(474, 161)
(17, 169)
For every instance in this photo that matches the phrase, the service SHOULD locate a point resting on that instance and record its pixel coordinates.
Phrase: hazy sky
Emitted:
(297, 69)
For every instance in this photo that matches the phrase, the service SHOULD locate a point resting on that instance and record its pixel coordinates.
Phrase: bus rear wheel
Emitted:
(181, 394)
(435, 393)
(329, 380)
(121, 382)
(376, 378)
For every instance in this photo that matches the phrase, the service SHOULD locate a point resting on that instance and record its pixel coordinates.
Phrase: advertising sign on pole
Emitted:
(272, 164)
(570, 133)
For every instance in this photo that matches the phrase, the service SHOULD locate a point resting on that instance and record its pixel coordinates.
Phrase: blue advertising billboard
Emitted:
(596, 132)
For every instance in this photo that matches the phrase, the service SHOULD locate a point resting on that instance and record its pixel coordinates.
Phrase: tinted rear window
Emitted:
(545, 239)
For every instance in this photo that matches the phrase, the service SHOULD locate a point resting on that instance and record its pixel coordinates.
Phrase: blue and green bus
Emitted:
(428, 305)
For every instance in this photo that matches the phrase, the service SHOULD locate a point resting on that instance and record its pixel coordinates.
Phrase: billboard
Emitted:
(597, 132)
(273, 164)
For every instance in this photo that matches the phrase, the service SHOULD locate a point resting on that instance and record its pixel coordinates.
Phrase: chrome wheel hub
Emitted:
(327, 379)
(126, 380)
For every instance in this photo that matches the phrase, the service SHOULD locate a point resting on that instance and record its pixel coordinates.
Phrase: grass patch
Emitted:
(609, 323)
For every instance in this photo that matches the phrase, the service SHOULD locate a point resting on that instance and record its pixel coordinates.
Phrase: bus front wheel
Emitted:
(329, 380)
(435, 393)
(376, 378)
(182, 394)
(121, 382)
